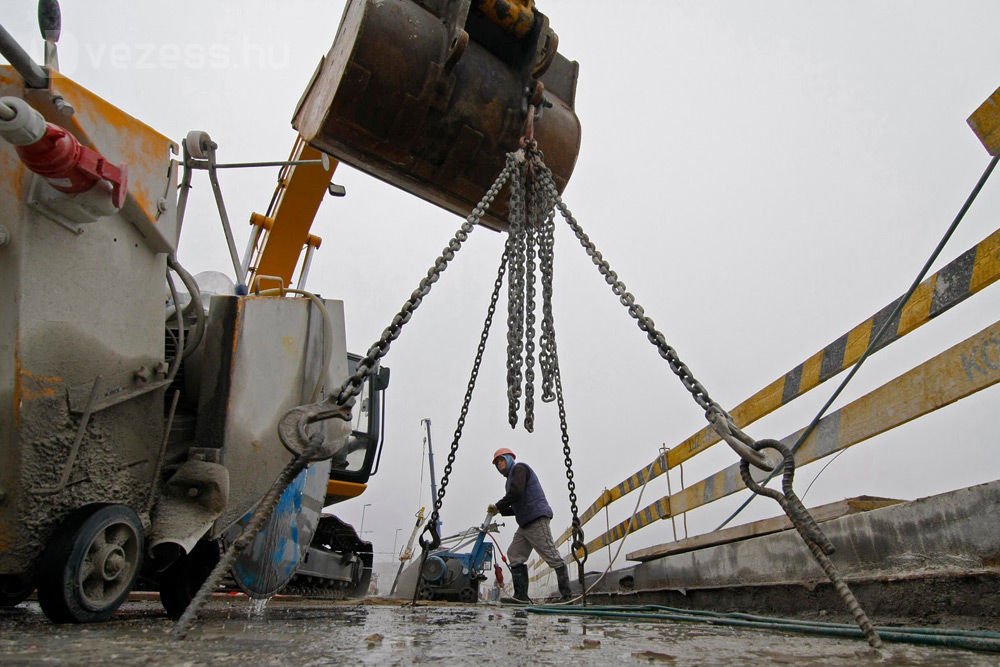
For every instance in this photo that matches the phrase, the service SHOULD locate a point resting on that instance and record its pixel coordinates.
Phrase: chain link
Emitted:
(352, 387)
(721, 420)
(746, 447)
(546, 241)
(531, 241)
(432, 524)
(292, 427)
(531, 209)
(516, 221)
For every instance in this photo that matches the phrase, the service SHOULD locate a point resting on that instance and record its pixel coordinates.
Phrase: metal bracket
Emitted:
(112, 393)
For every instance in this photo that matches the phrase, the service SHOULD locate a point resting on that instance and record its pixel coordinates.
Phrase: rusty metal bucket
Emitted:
(430, 95)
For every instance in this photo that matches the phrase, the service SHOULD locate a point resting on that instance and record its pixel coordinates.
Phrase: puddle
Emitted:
(304, 632)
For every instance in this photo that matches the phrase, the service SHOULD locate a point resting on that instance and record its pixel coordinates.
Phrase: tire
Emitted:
(90, 564)
(470, 593)
(180, 582)
(14, 589)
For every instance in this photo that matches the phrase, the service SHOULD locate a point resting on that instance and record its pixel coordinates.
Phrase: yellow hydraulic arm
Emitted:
(278, 238)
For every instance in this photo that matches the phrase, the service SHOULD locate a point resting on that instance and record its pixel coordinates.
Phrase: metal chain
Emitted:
(530, 241)
(352, 387)
(307, 448)
(696, 389)
(546, 342)
(292, 428)
(432, 524)
(516, 221)
(532, 235)
(714, 412)
(531, 209)
(578, 548)
(746, 447)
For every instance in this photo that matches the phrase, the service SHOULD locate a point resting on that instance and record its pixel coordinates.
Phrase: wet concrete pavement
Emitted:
(305, 632)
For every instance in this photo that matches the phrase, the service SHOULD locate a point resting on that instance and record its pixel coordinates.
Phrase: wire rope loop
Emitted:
(787, 468)
(789, 501)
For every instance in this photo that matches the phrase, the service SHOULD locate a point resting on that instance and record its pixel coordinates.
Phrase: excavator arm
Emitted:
(279, 236)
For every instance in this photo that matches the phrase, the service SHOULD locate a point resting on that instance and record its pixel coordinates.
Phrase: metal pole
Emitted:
(361, 530)
(394, 540)
(32, 73)
(607, 524)
(306, 264)
(234, 254)
(680, 468)
(274, 163)
(251, 246)
(430, 463)
(666, 472)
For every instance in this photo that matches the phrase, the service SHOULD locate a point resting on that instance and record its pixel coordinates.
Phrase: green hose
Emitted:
(976, 640)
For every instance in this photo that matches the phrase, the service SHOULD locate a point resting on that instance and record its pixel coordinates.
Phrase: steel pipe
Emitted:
(32, 73)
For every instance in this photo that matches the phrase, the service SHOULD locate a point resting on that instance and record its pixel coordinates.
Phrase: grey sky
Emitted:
(762, 175)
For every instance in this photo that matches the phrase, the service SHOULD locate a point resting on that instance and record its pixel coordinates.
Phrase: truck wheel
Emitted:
(469, 594)
(14, 589)
(181, 581)
(90, 564)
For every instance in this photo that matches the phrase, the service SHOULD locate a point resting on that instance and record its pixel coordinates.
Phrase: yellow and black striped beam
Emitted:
(969, 273)
(960, 371)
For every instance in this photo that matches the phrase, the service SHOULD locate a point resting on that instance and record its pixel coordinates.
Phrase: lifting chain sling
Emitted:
(531, 235)
(307, 448)
(536, 225)
(749, 450)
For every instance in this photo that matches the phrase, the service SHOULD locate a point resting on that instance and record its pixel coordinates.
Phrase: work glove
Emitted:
(492, 509)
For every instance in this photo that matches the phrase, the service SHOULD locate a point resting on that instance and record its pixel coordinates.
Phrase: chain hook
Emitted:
(435, 536)
(576, 548)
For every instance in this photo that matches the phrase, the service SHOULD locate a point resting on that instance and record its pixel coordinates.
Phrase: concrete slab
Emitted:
(936, 555)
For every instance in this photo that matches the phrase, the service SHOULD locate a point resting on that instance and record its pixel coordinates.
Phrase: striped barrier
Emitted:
(964, 276)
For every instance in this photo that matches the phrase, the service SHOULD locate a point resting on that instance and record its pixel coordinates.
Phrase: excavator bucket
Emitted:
(429, 95)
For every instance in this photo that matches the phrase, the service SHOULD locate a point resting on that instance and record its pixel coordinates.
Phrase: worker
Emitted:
(525, 501)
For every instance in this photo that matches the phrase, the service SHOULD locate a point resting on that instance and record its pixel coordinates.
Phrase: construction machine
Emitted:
(138, 416)
(454, 570)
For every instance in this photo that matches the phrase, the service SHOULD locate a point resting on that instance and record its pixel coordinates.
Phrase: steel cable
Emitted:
(873, 344)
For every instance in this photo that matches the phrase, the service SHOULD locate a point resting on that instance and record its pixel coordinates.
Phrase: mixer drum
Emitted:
(429, 96)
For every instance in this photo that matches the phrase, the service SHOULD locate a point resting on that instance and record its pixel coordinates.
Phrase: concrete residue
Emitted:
(113, 464)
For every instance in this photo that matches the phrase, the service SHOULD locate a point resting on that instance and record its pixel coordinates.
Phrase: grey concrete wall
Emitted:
(949, 533)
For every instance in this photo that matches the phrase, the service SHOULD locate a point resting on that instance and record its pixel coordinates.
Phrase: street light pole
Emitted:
(361, 530)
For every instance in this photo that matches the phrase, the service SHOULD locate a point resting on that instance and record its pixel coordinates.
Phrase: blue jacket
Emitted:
(525, 499)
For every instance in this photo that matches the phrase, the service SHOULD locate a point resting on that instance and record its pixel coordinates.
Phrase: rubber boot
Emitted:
(519, 577)
(562, 577)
